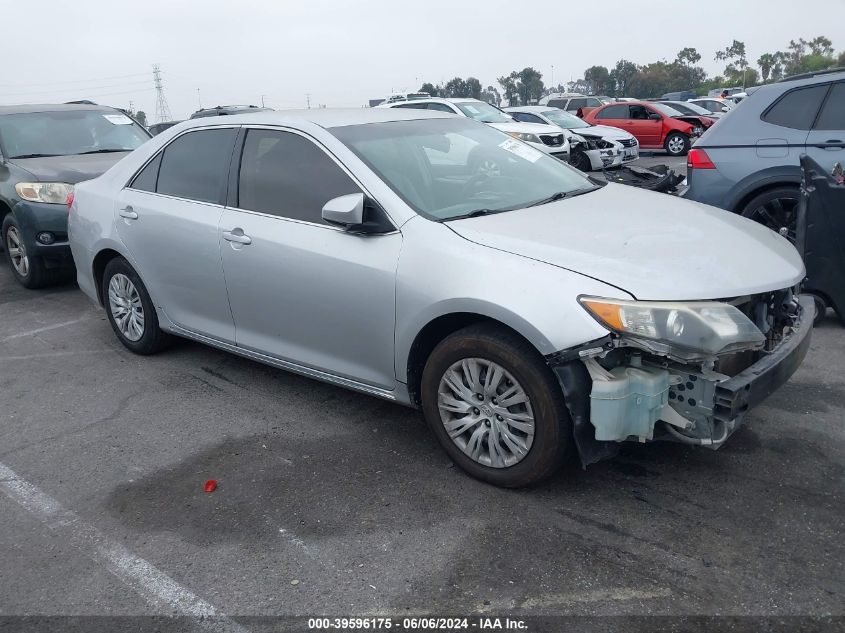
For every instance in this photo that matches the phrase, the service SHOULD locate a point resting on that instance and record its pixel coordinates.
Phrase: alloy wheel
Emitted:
(676, 145)
(126, 307)
(486, 412)
(17, 251)
(778, 214)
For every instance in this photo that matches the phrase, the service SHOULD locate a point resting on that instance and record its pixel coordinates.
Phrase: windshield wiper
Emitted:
(104, 151)
(34, 156)
(560, 195)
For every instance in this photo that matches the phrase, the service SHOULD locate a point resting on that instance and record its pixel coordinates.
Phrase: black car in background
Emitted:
(158, 128)
(44, 151)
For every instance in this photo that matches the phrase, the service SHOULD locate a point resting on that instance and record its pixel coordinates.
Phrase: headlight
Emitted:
(528, 138)
(706, 326)
(49, 192)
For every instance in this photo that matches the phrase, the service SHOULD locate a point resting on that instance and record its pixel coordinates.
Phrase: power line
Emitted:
(74, 81)
(54, 90)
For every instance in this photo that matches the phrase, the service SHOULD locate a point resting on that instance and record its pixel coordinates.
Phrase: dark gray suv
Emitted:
(748, 161)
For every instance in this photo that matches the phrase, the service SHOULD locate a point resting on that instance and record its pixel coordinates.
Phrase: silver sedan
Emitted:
(525, 308)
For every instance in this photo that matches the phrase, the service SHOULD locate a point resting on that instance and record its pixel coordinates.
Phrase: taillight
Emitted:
(69, 201)
(698, 159)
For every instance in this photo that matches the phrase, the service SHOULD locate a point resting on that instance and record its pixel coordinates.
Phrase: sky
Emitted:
(342, 53)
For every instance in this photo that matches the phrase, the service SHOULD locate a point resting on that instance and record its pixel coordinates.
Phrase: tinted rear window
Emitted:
(196, 165)
(797, 109)
(832, 116)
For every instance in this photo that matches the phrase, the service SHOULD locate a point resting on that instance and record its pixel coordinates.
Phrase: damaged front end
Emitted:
(679, 371)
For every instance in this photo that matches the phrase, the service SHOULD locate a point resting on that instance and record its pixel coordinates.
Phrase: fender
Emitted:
(773, 176)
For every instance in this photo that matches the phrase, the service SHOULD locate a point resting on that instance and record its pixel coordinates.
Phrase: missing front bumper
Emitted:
(700, 407)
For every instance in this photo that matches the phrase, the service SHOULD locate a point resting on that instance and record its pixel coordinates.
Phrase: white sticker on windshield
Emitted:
(118, 119)
(521, 149)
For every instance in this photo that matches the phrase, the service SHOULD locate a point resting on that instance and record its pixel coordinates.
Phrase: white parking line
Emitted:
(46, 328)
(151, 583)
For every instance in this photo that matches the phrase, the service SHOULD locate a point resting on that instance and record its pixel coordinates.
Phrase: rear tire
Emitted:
(776, 209)
(676, 144)
(130, 309)
(511, 451)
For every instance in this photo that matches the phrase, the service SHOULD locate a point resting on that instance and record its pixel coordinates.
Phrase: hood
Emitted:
(526, 128)
(652, 245)
(70, 169)
(605, 131)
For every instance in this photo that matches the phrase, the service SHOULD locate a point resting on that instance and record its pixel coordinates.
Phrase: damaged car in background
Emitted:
(592, 147)
(523, 309)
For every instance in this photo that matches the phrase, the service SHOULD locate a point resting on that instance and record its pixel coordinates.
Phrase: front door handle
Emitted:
(833, 144)
(128, 213)
(237, 236)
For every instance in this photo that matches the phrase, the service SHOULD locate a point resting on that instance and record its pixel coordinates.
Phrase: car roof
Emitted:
(323, 117)
(52, 107)
(530, 108)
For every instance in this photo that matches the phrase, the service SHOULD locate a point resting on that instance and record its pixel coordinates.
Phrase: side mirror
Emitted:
(345, 210)
(725, 108)
(357, 214)
(654, 116)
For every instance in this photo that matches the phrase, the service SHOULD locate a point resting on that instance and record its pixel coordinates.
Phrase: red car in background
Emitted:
(656, 126)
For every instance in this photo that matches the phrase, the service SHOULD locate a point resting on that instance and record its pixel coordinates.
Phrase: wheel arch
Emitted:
(98, 268)
(760, 182)
(435, 331)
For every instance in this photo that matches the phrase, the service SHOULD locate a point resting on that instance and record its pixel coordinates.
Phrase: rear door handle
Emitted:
(237, 238)
(833, 144)
(128, 213)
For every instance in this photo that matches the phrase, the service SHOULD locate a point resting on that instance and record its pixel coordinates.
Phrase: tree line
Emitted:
(628, 79)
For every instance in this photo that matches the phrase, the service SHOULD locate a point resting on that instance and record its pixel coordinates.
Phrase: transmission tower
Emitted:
(162, 109)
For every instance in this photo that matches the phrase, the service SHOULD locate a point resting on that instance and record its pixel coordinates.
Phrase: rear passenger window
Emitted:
(148, 176)
(613, 112)
(287, 175)
(557, 103)
(797, 109)
(574, 104)
(196, 165)
(833, 112)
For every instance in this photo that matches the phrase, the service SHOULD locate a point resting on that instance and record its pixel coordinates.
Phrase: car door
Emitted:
(615, 115)
(647, 130)
(302, 290)
(826, 141)
(168, 219)
(789, 121)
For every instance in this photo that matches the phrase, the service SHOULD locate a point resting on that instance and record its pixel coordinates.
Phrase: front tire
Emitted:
(130, 309)
(677, 144)
(495, 406)
(580, 161)
(29, 270)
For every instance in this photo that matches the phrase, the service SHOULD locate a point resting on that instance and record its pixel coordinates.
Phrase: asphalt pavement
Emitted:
(332, 502)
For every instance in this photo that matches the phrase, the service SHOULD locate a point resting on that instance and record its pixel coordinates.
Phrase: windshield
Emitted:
(666, 110)
(484, 112)
(65, 132)
(449, 168)
(565, 119)
(689, 108)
